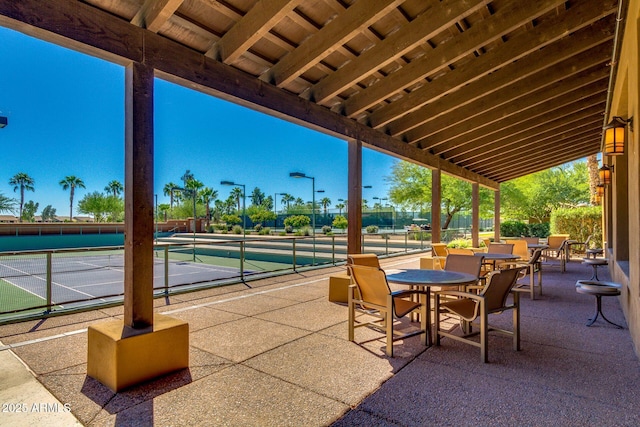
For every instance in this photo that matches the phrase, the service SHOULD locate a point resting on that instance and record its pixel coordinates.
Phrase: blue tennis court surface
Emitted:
(92, 277)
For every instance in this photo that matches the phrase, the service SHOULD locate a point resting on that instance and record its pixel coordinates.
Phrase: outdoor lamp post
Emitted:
(244, 199)
(313, 207)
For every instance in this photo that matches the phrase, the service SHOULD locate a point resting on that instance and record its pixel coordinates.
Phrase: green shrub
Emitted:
(420, 235)
(231, 219)
(519, 228)
(257, 228)
(513, 229)
(539, 229)
(459, 243)
(282, 233)
(237, 229)
(297, 221)
(326, 229)
(264, 231)
(304, 231)
(372, 229)
(340, 222)
(579, 223)
(288, 229)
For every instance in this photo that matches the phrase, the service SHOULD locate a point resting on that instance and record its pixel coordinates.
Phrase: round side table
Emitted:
(595, 263)
(599, 290)
(594, 252)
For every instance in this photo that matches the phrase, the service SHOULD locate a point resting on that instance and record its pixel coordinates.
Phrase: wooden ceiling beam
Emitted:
(505, 20)
(530, 132)
(422, 28)
(532, 73)
(547, 158)
(523, 94)
(551, 138)
(153, 14)
(581, 16)
(328, 39)
(257, 22)
(514, 115)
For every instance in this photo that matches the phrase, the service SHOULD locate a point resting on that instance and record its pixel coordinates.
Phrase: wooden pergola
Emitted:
(485, 90)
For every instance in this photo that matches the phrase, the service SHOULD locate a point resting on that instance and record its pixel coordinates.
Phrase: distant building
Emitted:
(8, 219)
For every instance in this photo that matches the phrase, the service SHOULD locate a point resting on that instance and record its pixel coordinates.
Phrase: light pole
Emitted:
(313, 207)
(244, 199)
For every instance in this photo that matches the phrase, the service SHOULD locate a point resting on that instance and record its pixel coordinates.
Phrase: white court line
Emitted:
(192, 307)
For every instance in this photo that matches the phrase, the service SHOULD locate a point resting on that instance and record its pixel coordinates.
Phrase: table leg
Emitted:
(429, 331)
(599, 312)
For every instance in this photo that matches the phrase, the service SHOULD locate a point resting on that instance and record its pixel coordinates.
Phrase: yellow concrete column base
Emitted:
(431, 263)
(120, 356)
(339, 287)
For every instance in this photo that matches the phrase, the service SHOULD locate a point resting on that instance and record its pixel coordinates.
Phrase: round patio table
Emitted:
(427, 278)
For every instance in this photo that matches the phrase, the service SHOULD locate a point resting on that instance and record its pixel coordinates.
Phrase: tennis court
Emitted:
(92, 276)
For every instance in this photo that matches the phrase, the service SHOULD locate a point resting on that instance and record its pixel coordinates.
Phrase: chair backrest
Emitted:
(371, 282)
(464, 264)
(498, 287)
(555, 241)
(369, 260)
(501, 248)
(459, 251)
(439, 249)
(531, 240)
(520, 248)
(535, 258)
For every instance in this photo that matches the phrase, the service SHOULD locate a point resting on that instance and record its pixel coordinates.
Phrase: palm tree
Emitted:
(188, 176)
(6, 204)
(71, 182)
(168, 191)
(287, 198)
(325, 202)
(340, 206)
(207, 195)
(24, 182)
(236, 193)
(114, 187)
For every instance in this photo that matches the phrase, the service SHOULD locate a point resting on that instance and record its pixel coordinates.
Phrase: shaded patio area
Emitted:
(277, 354)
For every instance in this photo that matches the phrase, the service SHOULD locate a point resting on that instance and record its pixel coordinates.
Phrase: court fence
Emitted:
(44, 283)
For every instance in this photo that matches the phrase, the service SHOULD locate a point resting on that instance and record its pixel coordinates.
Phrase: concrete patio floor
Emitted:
(277, 354)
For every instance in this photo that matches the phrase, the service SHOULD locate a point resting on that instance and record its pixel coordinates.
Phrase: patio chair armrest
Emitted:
(407, 292)
(460, 294)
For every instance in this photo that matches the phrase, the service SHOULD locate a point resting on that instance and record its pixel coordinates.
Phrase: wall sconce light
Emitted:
(614, 136)
(600, 190)
(604, 173)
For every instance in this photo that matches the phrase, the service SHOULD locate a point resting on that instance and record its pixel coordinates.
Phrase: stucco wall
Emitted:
(625, 102)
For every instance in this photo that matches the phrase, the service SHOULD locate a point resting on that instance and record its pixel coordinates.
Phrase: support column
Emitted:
(138, 197)
(436, 203)
(496, 215)
(475, 214)
(141, 347)
(354, 213)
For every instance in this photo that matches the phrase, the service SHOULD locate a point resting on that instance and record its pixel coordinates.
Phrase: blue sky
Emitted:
(66, 117)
